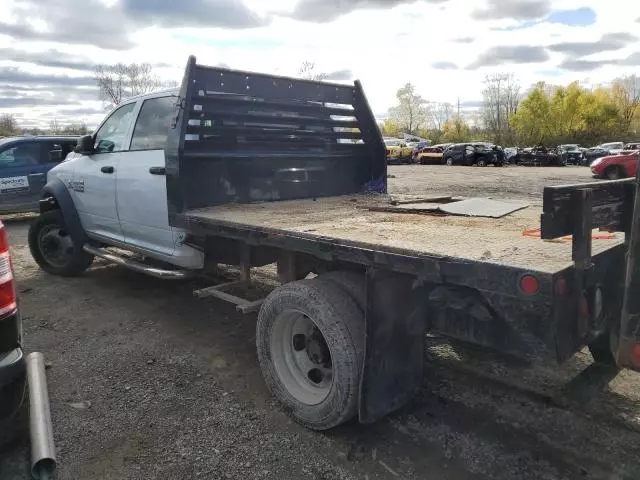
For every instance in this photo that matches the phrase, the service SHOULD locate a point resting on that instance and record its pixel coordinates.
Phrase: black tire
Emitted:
(70, 259)
(614, 173)
(352, 282)
(448, 162)
(481, 163)
(341, 325)
(12, 411)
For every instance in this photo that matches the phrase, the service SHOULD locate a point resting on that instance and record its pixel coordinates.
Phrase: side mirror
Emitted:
(85, 145)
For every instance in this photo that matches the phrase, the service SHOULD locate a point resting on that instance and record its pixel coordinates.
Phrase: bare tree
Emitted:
(120, 81)
(308, 71)
(75, 129)
(501, 98)
(411, 112)
(8, 124)
(54, 127)
(438, 114)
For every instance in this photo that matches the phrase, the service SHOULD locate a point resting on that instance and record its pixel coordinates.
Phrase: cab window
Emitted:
(152, 126)
(111, 136)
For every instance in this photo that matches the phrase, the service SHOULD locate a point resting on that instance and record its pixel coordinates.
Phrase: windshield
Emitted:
(392, 143)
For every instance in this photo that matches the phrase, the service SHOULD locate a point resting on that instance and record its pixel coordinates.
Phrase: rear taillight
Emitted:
(7, 286)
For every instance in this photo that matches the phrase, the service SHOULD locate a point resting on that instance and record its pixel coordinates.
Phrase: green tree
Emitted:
(625, 94)
(410, 114)
(389, 128)
(534, 116)
(456, 130)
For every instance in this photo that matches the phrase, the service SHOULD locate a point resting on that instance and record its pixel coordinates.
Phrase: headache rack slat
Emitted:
(269, 118)
(283, 155)
(269, 131)
(213, 103)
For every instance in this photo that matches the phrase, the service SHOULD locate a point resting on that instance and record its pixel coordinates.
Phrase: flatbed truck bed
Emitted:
(348, 220)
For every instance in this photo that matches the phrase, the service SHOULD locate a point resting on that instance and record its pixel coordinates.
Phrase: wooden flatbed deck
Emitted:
(348, 220)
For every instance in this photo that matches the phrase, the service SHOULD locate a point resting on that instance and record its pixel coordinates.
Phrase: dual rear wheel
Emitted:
(310, 341)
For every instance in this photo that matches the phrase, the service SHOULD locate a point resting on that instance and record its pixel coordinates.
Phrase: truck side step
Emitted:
(243, 305)
(165, 274)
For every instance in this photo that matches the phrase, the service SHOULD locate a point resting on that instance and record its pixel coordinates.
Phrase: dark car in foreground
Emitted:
(24, 163)
(12, 362)
(470, 154)
(572, 154)
(540, 157)
(618, 166)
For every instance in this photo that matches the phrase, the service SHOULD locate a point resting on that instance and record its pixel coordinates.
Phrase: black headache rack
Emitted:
(612, 206)
(249, 137)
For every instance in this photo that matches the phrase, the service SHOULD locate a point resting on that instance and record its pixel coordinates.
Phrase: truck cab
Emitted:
(117, 181)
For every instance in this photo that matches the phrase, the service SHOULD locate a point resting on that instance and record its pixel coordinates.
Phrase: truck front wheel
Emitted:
(310, 341)
(53, 249)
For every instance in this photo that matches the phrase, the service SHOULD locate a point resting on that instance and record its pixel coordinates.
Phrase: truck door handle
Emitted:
(157, 170)
(107, 169)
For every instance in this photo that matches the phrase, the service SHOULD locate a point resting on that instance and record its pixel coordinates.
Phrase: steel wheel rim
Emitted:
(301, 357)
(55, 244)
(449, 162)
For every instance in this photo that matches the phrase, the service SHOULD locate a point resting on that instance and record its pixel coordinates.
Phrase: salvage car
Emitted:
(618, 166)
(472, 154)
(603, 150)
(397, 151)
(539, 156)
(572, 154)
(432, 154)
(12, 362)
(24, 163)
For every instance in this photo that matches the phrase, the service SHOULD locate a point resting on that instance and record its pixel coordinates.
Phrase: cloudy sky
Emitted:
(48, 48)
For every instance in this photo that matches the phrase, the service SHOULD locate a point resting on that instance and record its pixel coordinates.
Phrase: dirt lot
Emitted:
(148, 382)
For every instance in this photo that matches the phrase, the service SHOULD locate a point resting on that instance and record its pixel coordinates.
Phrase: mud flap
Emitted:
(394, 354)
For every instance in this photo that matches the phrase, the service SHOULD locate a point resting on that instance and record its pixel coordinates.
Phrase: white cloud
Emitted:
(383, 47)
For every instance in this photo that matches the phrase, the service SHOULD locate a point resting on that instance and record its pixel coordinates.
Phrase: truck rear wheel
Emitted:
(351, 282)
(310, 341)
(53, 249)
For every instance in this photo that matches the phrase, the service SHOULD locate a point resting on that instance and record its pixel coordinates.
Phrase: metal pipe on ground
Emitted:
(43, 452)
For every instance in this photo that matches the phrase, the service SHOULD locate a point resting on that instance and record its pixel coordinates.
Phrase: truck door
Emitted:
(93, 187)
(141, 185)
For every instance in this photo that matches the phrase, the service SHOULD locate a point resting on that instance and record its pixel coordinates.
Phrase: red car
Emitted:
(613, 167)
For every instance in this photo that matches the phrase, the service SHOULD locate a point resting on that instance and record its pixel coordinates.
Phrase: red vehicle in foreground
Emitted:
(613, 167)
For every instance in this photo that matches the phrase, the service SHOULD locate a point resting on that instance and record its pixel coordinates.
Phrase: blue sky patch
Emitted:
(580, 17)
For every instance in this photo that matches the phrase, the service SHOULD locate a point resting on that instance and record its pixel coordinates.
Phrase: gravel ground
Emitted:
(148, 382)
